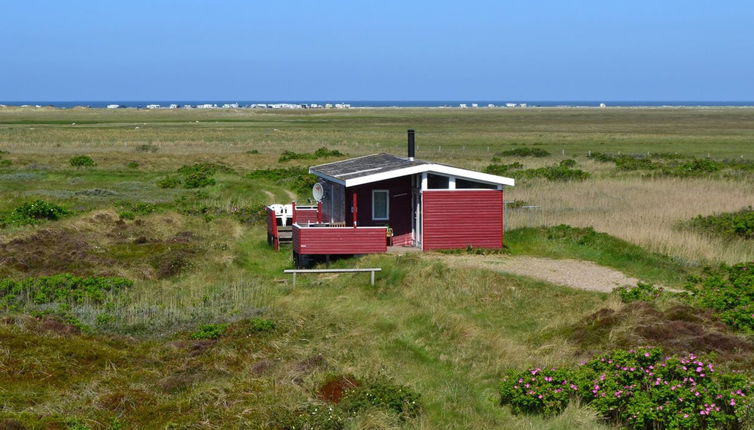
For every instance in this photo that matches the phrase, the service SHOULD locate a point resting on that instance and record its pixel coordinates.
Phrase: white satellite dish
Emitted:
(318, 192)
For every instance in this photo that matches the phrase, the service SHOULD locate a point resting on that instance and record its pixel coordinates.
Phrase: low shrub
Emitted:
(633, 163)
(554, 173)
(61, 288)
(382, 394)
(132, 165)
(729, 291)
(567, 163)
(642, 292)
(297, 179)
(525, 152)
(502, 169)
(642, 388)
(5, 163)
(253, 152)
(310, 417)
(35, 212)
(601, 157)
(129, 210)
(322, 152)
(169, 182)
(82, 161)
(197, 180)
(207, 169)
(210, 331)
(696, 167)
(738, 224)
(260, 325)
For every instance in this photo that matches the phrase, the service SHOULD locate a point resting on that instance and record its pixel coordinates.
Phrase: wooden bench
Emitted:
(372, 270)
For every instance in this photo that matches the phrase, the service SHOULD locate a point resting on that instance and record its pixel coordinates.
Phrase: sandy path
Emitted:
(583, 275)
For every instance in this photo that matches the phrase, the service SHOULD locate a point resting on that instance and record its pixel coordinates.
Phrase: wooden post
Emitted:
(275, 236)
(293, 213)
(371, 278)
(355, 210)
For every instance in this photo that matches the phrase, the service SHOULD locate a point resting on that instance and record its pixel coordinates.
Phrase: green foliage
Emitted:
(738, 224)
(61, 288)
(130, 209)
(207, 169)
(633, 163)
(169, 182)
(311, 417)
(253, 152)
(729, 291)
(567, 163)
(5, 163)
(696, 167)
(322, 152)
(502, 169)
(555, 173)
(642, 292)
(382, 394)
(640, 388)
(197, 180)
(35, 212)
(525, 152)
(261, 325)
(132, 165)
(210, 331)
(297, 179)
(82, 161)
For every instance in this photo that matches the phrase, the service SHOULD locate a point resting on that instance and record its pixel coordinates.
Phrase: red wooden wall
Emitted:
(305, 216)
(339, 240)
(461, 218)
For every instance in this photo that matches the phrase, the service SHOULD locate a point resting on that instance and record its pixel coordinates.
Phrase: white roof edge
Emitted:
(422, 168)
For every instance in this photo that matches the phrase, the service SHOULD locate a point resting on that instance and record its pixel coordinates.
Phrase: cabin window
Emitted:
(465, 183)
(437, 182)
(380, 205)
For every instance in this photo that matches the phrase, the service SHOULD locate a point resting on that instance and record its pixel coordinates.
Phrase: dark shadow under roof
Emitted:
(365, 166)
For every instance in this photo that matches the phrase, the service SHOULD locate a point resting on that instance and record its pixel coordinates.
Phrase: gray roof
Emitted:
(365, 166)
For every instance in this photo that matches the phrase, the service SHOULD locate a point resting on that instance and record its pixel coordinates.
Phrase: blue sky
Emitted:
(377, 50)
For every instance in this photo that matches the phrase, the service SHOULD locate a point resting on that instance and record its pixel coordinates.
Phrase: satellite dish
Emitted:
(318, 192)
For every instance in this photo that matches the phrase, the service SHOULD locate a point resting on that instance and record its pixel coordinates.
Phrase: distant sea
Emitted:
(385, 103)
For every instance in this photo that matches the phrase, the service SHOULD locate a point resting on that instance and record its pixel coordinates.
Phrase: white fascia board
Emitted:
(427, 168)
(406, 171)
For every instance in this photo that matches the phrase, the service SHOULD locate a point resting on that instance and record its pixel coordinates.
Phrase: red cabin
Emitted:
(369, 203)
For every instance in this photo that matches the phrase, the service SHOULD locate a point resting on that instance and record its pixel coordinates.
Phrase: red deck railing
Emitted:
(329, 240)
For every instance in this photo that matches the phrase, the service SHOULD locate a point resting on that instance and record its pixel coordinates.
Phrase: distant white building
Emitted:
(490, 105)
(462, 106)
(113, 106)
(475, 105)
(523, 105)
(342, 106)
(510, 105)
(230, 106)
(328, 105)
(602, 105)
(152, 106)
(173, 106)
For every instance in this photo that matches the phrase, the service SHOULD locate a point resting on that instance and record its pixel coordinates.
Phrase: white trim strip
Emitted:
(422, 168)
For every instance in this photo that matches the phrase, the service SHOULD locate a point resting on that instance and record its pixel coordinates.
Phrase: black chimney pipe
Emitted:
(411, 145)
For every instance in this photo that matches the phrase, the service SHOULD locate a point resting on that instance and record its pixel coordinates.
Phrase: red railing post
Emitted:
(275, 236)
(319, 212)
(293, 213)
(355, 210)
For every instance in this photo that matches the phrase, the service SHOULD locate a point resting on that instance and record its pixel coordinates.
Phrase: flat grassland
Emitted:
(199, 256)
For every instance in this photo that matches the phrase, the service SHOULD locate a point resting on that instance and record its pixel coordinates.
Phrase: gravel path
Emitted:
(583, 275)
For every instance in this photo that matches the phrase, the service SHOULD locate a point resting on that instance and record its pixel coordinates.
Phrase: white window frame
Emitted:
(387, 205)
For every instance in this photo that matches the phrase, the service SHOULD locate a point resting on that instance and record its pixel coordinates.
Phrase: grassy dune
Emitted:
(199, 256)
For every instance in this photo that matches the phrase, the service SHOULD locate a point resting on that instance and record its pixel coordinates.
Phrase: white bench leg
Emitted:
(371, 277)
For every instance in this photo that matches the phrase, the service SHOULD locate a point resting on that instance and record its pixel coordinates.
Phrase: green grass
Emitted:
(601, 248)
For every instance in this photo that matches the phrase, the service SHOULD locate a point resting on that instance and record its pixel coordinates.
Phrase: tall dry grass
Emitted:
(645, 212)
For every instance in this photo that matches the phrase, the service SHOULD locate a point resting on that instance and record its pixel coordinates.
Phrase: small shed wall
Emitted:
(455, 219)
